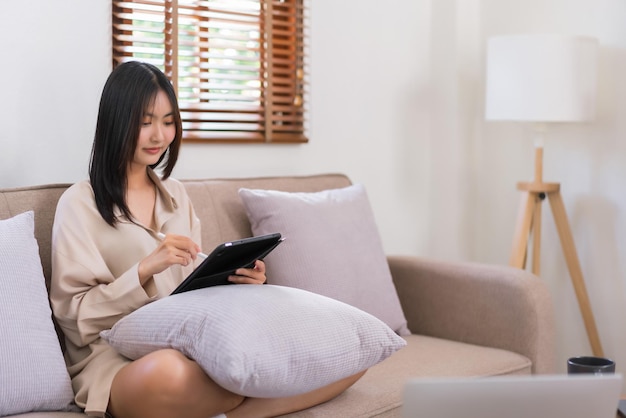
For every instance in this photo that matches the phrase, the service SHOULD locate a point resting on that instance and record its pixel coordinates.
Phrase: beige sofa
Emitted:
(467, 319)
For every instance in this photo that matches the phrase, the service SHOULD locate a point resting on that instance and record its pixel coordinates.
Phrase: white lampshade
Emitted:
(541, 78)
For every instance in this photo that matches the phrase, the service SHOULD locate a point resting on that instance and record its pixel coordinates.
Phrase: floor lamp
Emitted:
(544, 79)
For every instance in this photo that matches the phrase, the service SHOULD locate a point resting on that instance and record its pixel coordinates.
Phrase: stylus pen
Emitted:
(161, 236)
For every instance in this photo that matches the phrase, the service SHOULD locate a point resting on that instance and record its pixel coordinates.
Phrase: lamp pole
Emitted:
(529, 221)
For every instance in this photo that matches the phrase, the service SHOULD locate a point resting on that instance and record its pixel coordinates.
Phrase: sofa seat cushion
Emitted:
(380, 391)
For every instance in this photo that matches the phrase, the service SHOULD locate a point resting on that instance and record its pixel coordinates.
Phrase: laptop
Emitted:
(535, 396)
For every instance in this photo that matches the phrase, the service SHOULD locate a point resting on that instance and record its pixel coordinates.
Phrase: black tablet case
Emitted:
(226, 258)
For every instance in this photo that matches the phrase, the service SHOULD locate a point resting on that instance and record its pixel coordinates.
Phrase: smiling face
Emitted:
(156, 134)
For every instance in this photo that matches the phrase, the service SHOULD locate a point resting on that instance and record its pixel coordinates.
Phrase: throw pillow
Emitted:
(259, 341)
(332, 247)
(33, 376)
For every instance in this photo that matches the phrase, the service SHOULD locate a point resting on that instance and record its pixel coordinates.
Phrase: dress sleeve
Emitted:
(86, 296)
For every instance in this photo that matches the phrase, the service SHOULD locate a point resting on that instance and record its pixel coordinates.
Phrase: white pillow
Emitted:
(332, 247)
(259, 340)
(33, 375)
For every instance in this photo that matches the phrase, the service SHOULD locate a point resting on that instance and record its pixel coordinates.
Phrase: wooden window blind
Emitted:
(237, 65)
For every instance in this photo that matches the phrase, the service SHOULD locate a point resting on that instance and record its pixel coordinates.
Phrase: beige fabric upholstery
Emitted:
(380, 390)
(488, 305)
(223, 215)
(42, 200)
(470, 319)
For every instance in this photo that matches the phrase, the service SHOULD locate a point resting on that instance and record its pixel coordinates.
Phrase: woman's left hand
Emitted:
(255, 275)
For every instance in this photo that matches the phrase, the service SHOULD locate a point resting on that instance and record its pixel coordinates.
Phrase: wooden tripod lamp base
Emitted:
(529, 220)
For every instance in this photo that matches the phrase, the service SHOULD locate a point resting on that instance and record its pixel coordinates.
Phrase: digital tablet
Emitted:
(226, 258)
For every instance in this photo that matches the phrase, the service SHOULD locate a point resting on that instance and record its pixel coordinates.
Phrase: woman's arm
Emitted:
(95, 267)
(93, 283)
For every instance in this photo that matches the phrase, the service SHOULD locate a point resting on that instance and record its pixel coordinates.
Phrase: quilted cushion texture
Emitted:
(259, 340)
(332, 247)
(33, 376)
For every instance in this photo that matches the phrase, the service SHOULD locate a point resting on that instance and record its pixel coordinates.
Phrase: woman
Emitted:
(108, 261)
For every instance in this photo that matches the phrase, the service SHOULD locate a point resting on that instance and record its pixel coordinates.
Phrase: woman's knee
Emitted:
(170, 371)
(166, 371)
(167, 379)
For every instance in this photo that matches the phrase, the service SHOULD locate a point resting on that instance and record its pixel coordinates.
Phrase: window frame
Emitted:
(270, 104)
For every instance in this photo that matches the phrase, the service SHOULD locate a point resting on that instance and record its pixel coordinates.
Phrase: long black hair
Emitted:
(130, 89)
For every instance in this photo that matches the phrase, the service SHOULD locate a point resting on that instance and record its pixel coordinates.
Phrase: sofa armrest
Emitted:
(488, 305)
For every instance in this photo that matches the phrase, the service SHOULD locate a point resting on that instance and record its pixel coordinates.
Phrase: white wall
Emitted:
(360, 109)
(409, 126)
(588, 160)
(50, 80)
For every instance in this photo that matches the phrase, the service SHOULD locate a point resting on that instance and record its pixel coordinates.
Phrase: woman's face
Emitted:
(157, 132)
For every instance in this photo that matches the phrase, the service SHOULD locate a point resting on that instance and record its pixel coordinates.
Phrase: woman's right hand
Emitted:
(173, 249)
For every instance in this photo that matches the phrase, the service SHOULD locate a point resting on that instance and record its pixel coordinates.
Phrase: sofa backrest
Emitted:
(222, 213)
(216, 202)
(42, 200)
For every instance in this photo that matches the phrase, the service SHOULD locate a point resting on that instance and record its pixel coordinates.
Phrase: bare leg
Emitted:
(166, 384)
(271, 407)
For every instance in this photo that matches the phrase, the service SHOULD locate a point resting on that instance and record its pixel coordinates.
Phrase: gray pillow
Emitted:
(33, 376)
(259, 340)
(332, 247)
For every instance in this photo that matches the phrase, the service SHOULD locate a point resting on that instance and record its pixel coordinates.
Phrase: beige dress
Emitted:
(95, 281)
